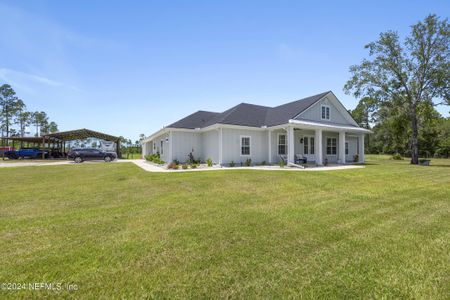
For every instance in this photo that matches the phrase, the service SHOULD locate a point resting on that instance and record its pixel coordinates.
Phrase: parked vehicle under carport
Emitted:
(80, 155)
(26, 152)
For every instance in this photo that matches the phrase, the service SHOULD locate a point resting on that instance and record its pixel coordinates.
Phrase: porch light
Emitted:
(301, 140)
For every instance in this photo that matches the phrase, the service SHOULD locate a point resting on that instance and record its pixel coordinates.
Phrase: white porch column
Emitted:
(220, 146)
(342, 147)
(290, 140)
(361, 148)
(169, 155)
(318, 146)
(269, 139)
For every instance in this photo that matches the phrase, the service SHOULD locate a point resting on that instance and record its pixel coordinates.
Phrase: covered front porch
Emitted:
(316, 143)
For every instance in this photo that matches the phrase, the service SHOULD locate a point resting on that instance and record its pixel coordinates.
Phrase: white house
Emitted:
(316, 128)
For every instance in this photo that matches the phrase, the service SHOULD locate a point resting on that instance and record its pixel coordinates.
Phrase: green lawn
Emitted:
(117, 231)
(131, 156)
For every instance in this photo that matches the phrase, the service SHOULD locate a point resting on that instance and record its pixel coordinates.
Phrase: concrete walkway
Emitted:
(149, 167)
(34, 163)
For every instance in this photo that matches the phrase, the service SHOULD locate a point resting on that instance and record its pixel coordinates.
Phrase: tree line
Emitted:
(392, 130)
(15, 118)
(399, 86)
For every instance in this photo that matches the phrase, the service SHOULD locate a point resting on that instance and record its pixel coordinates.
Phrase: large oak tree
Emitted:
(407, 72)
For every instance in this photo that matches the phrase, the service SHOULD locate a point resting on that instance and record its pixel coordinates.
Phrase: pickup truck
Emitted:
(26, 152)
(4, 149)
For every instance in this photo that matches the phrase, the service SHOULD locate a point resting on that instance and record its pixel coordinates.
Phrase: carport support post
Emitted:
(43, 146)
(119, 155)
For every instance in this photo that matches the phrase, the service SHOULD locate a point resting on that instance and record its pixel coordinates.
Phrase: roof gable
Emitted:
(340, 114)
(283, 113)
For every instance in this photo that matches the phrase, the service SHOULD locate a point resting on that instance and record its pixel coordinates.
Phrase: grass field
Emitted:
(117, 231)
(131, 155)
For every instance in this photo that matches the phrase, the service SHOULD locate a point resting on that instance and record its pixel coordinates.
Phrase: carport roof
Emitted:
(78, 134)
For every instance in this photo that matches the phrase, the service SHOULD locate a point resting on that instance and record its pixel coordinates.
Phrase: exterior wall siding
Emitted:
(232, 145)
(184, 143)
(206, 145)
(210, 141)
(352, 147)
(164, 152)
(314, 113)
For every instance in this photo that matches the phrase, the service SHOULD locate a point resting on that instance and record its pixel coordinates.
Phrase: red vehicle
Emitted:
(4, 149)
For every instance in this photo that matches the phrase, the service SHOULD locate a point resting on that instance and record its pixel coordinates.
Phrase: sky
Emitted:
(132, 67)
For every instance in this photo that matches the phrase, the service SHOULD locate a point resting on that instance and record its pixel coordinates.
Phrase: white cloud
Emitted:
(20, 79)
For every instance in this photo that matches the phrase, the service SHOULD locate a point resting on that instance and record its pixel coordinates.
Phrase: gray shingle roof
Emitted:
(246, 114)
(198, 119)
(283, 113)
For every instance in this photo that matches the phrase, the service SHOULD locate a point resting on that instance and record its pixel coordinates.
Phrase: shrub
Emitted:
(173, 166)
(355, 158)
(282, 163)
(397, 156)
(176, 161)
(194, 166)
(153, 158)
(248, 162)
(184, 166)
(232, 164)
(263, 163)
(209, 162)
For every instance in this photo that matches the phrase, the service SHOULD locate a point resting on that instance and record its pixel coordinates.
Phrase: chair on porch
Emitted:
(300, 159)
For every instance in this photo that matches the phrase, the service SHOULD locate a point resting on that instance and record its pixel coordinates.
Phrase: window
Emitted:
(325, 112)
(308, 145)
(281, 144)
(346, 148)
(162, 147)
(305, 145)
(245, 145)
(331, 146)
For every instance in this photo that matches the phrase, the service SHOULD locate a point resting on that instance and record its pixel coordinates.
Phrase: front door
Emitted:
(308, 147)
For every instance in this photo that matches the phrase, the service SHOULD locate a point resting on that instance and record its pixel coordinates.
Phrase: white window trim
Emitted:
(278, 143)
(161, 144)
(250, 145)
(329, 112)
(326, 145)
(309, 136)
(306, 144)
